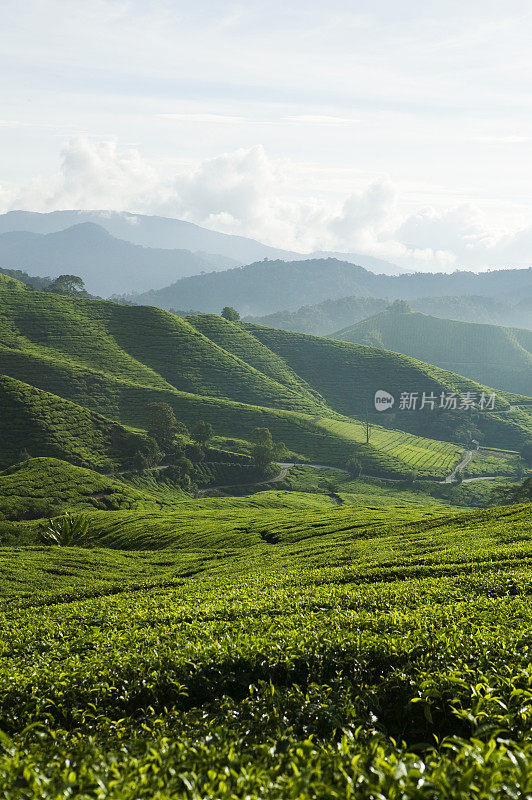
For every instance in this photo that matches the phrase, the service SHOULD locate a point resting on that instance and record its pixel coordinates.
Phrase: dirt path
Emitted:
(466, 458)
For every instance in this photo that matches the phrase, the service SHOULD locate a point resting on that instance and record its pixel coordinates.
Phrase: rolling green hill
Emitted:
(112, 360)
(46, 425)
(493, 355)
(325, 318)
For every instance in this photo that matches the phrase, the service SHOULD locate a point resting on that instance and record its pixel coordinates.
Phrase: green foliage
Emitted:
(314, 655)
(399, 307)
(67, 531)
(230, 314)
(161, 424)
(353, 466)
(526, 453)
(265, 451)
(202, 432)
(70, 285)
(235, 377)
(513, 493)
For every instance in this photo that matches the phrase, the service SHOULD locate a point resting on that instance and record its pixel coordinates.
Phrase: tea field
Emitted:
(261, 652)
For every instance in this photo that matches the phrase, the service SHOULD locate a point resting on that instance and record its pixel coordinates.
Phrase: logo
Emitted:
(383, 400)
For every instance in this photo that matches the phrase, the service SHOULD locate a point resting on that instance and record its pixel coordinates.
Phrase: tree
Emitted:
(262, 455)
(161, 424)
(265, 450)
(202, 432)
(261, 436)
(230, 313)
(513, 493)
(399, 307)
(146, 456)
(70, 285)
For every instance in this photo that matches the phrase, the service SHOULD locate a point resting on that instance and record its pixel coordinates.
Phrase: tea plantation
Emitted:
(296, 654)
(114, 360)
(205, 628)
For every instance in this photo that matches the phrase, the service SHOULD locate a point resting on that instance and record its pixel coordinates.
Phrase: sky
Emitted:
(400, 130)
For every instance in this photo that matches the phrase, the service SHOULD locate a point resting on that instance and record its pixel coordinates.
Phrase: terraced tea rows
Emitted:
(318, 657)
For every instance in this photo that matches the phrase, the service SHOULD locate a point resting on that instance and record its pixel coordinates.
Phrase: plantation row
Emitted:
(308, 656)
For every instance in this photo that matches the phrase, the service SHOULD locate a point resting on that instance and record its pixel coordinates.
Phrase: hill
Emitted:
(114, 360)
(490, 354)
(269, 286)
(330, 316)
(107, 265)
(44, 424)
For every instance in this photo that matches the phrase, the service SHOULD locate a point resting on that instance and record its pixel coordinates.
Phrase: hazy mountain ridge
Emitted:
(221, 249)
(266, 287)
(105, 263)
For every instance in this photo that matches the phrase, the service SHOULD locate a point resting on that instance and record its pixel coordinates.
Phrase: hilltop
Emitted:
(269, 286)
(500, 357)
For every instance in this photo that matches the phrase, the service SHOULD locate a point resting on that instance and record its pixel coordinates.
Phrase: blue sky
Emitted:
(400, 129)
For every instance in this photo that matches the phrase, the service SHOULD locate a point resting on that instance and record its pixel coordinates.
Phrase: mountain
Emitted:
(329, 316)
(269, 286)
(377, 265)
(85, 365)
(169, 234)
(106, 264)
(498, 356)
(148, 231)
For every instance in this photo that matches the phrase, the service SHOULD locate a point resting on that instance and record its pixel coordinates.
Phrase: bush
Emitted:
(67, 531)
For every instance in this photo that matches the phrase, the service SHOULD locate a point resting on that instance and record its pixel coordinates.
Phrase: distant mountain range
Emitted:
(266, 287)
(491, 354)
(329, 316)
(106, 264)
(221, 250)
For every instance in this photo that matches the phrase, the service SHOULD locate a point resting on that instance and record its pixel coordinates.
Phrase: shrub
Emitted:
(68, 530)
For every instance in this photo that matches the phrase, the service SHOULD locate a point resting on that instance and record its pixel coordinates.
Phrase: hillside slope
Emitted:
(324, 319)
(43, 424)
(114, 360)
(269, 286)
(490, 354)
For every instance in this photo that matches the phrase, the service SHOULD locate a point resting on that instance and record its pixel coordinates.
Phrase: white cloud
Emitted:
(202, 118)
(502, 139)
(322, 119)
(249, 193)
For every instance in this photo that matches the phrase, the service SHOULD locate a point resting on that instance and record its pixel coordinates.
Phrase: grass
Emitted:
(422, 456)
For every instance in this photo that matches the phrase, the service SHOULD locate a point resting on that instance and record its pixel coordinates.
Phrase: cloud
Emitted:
(502, 139)
(249, 193)
(202, 118)
(322, 119)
